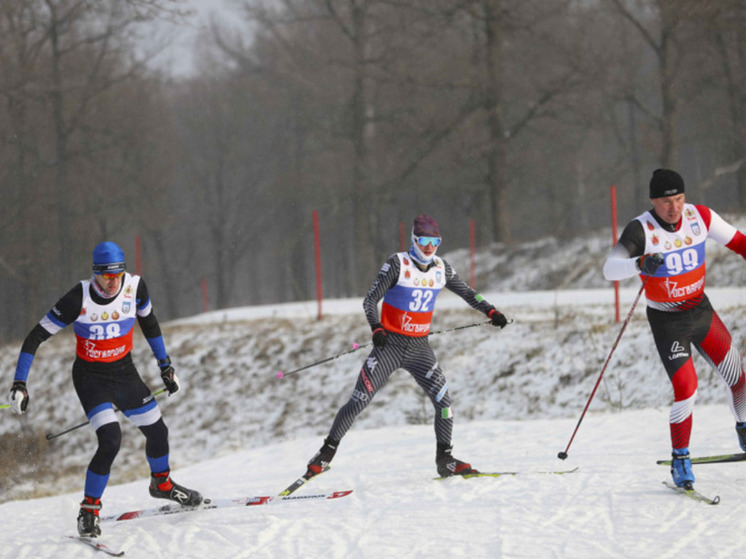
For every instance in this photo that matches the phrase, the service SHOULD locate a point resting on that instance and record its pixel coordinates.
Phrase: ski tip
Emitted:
(280, 374)
(98, 545)
(692, 493)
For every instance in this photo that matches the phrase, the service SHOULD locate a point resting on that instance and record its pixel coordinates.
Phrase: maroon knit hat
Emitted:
(425, 226)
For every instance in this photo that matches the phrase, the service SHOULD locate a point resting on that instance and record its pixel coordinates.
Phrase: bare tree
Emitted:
(660, 33)
(325, 52)
(232, 165)
(72, 86)
(728, 31)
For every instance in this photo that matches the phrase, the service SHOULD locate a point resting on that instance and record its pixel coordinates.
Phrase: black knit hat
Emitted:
(665, 182)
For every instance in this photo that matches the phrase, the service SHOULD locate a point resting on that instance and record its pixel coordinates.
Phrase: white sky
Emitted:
(178, 57)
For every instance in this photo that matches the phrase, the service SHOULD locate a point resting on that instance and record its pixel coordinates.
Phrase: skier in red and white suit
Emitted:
(408, 283)
(666, 247)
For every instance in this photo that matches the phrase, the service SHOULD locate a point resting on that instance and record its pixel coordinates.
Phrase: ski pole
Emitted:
(51, 436)
(563, 453)
(355, 347)
(482, 323)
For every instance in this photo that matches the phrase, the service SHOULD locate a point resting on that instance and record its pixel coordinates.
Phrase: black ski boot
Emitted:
(89, 525)
(163, 487)
(741, 432)
(321, 460)
(450, 466)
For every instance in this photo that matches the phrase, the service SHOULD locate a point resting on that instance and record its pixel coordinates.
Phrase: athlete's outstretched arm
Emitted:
(622, 260)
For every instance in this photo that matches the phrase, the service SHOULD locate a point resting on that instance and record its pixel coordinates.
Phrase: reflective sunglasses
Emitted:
(113, 275)
(109, 270)
(424, 241)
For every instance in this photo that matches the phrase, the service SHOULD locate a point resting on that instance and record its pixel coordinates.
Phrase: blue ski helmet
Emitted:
(108, 258)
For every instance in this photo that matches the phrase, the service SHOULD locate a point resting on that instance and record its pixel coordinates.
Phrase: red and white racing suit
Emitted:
(679, 313)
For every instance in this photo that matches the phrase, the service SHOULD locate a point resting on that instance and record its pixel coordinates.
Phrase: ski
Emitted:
(736, 457)
(97, 545)
(500, 474)
(302, 480)
(211, 504)
(693, 494)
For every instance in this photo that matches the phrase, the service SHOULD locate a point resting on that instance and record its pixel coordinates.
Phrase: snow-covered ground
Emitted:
(614, 506)
(238, 430)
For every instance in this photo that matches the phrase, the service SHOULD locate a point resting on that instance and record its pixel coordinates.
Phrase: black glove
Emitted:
(18, 397)
(170, 380)
(379, 335)
(649, 263)
(497, 318)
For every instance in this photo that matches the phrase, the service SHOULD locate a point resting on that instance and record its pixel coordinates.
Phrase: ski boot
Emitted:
(448, 465)
(681, 468)
(741, 432)
(89, 525)
(163, 487)
(321, 460)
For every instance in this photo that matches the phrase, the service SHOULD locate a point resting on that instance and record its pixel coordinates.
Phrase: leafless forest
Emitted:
(518, 114)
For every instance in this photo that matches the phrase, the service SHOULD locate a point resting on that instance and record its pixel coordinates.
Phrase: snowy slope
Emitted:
(236, 429)
(614, 507)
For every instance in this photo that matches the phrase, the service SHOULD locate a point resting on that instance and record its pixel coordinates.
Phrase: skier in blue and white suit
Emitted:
(103, 312)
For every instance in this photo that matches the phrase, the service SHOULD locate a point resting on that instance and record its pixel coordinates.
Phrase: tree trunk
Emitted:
(60, 170)
(669, 98)
(498, 144)
(363, 263)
